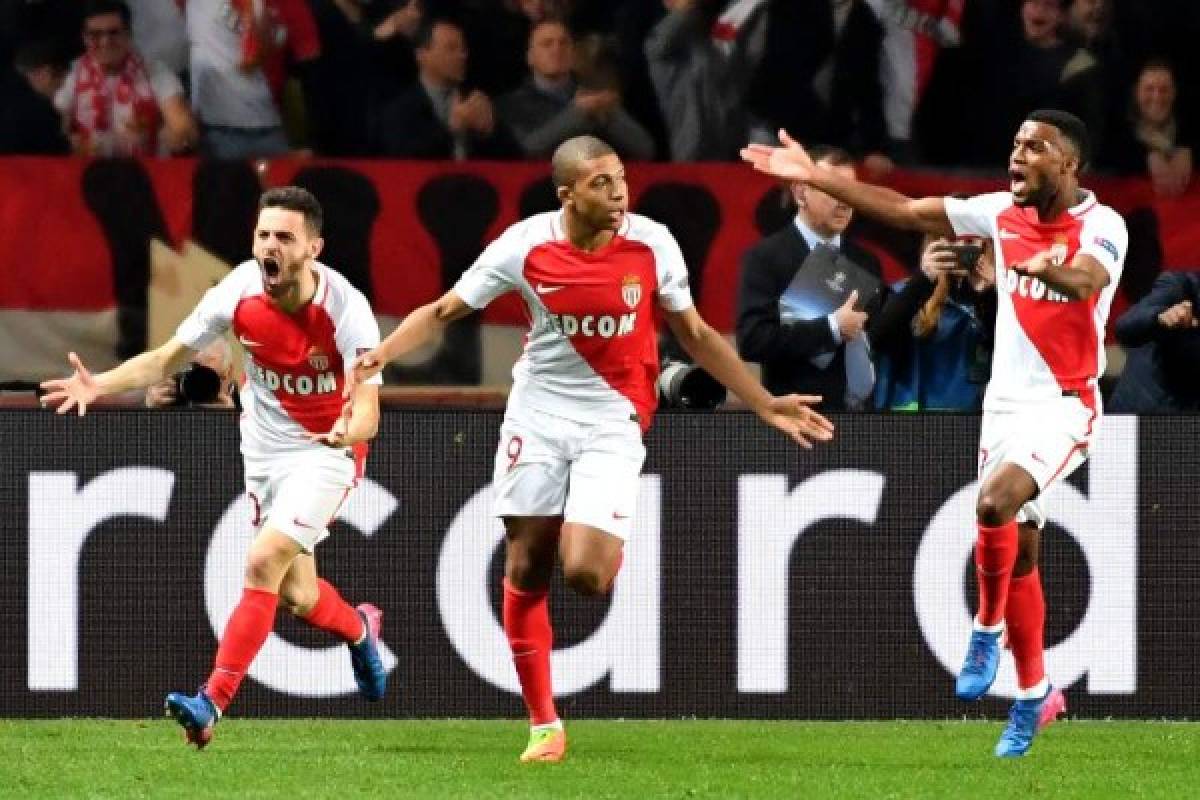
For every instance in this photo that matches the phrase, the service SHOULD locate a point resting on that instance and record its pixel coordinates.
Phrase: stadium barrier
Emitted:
(106, 256)
(763, 581)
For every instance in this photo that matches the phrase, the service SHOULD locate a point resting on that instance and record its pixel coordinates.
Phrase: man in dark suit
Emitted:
(806, 356)
(436, 118)
(1162, 333)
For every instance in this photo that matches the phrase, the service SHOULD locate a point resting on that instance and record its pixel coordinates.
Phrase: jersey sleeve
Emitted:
(674, 289)
(357, 332)
(213, 315)
(976, 216)
(494, 272)
(1105, 238)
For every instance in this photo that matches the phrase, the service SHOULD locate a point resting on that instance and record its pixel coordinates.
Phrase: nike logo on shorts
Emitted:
(297, 522)
(620, 516)
(542, 288)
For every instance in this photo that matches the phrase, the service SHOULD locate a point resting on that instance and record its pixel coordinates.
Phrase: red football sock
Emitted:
(248, 628)
(334, 615)
(995, 555)
(527, 624)
(1026, 616)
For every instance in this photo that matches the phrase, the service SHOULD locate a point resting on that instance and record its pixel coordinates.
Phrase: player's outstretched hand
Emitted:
(77, 391)
(364, 367)
(792, 415)
(791, 162)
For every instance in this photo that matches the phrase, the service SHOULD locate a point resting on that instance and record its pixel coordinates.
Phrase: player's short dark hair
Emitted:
(830, 154)
(293, 198)
(564, 164)
(1070, 126)
(423, 38)
(96, 8)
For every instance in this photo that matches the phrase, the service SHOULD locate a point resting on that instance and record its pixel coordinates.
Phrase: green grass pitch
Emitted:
(297, 759)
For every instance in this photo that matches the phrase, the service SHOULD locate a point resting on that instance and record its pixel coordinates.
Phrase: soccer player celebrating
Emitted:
(1059, 255)
(301, 325)
(566, 469)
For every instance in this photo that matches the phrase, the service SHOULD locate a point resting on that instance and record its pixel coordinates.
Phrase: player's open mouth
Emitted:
(271, 272)
(1017, 180)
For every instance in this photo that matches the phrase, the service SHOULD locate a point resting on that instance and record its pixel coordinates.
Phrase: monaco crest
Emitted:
(631, 290)
(317, 359)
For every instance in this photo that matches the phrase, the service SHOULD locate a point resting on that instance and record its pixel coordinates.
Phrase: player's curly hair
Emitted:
(293, 198)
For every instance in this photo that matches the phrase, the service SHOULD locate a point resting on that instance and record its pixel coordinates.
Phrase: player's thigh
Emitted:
(308, 496)
(1027, 452)
(605, 478)
(298, 592)
(530, 473)
(530, 548)
(590, 557)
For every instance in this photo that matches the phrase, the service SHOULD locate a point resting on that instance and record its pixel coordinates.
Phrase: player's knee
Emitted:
(298, 603)
(524, 571)
(994, 509)
(586, 579)
(262, 571)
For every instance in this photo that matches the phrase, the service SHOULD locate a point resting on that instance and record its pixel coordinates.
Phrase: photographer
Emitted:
(945, 363)
(206, 382)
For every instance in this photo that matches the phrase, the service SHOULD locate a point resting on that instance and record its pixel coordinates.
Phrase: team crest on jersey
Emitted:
(631, 290)
(318, 359)
(1058, 250)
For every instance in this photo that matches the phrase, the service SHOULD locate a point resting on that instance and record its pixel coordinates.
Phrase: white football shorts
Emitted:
(586, 472)
(299, 494)
(1048, 440)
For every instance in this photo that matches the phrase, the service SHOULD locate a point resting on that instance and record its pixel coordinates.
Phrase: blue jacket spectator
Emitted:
(1162, 334)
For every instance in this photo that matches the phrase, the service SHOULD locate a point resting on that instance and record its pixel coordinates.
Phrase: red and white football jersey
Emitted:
(1045, 343)
(295, 364)
(592, 348)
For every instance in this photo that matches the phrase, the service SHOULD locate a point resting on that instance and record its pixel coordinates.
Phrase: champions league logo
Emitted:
(838, 282)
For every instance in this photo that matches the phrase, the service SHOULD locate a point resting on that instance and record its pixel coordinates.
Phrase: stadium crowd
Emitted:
(891, 81)
(883, 83)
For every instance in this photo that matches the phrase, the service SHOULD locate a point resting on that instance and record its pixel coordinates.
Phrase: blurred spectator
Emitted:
(1090, 24)
(241, 52)
(819, 78)
(366, 60)
(1161, 334)
(945, 363)
(206, 382)
(826, 356)
(160, 32)
(1153, 139)
(114, 102)
(701, 64)
(1039, 69)
(913, 33)
(497, 33)
(30, 124)
(438, 118)
(554, 105)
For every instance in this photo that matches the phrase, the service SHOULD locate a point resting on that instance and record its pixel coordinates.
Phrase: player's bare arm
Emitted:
(419, 327)
(359, 421)
(1079, 280)
(791, 162)
(791, 414)
(82, 388)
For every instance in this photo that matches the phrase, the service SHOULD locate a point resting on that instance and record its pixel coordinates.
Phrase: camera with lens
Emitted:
(688, 386)
(196, 385)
